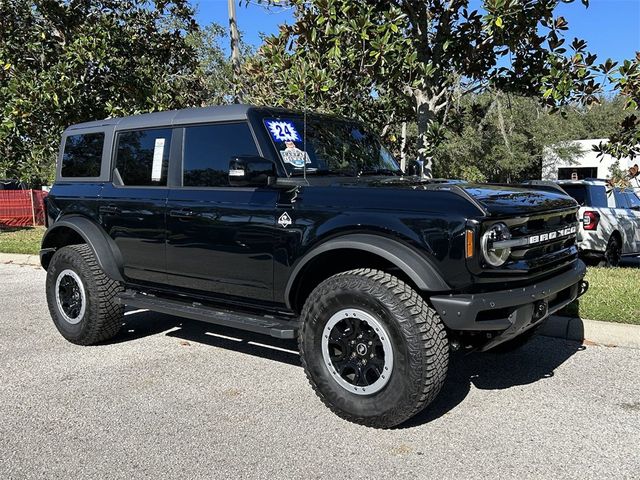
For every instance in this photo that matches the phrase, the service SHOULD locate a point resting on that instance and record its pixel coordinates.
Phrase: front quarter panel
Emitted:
(430, 223)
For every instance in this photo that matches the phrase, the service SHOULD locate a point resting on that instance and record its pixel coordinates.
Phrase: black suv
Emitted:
(302, 226)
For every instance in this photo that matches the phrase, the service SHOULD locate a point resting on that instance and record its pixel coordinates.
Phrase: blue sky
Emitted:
(611, 27)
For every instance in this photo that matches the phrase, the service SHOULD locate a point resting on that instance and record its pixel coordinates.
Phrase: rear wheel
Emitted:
(372, 349)
(81, 298)
(613, 253)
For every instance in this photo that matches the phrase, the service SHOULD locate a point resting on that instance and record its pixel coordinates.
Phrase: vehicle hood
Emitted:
(494, 200)
(501, 200)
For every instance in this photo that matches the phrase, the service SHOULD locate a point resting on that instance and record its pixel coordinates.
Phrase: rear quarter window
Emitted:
(587, 195)
(82, 156)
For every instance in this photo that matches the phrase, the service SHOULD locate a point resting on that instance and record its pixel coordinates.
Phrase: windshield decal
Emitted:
(294, 156)
(283, 131)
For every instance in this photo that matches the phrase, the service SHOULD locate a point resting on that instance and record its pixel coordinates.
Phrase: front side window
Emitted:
(82, 156)
(142, 157)
(329, 146)
(208, 149)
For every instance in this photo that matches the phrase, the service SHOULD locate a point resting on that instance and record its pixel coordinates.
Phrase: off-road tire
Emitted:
(418, 338)
(102, 316)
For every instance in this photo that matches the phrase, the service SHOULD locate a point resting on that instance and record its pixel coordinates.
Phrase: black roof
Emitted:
(172, 117)
(218, 113)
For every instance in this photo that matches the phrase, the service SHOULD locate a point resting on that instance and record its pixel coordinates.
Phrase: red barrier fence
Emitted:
(22, 208)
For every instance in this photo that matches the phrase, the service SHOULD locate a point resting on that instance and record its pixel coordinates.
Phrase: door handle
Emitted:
(109, 209)
(182, 213)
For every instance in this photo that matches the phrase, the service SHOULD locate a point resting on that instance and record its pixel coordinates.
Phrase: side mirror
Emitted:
(251, 171)
(416, 167)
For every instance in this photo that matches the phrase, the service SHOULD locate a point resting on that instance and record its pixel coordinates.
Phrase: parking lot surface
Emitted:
(179, 399)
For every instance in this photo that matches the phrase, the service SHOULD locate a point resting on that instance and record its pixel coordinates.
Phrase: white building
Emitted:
(587, 165)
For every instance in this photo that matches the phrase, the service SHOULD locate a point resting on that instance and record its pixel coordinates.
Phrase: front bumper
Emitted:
(511, 312)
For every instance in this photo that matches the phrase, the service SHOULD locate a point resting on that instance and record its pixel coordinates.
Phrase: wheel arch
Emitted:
(360, 251)
(616, 233)
(76, 229)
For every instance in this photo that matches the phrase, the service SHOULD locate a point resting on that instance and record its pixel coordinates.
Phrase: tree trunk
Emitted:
(424, 118)
(235, 49)
(403, 148)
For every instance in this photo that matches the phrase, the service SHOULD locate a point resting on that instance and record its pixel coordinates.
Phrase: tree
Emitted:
(68, 61)
(215, 69)
(329, 69)
(499, 137)
(625, 141)
(350, 53)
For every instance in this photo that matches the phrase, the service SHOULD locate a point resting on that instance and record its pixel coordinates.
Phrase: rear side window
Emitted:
(142, 157)
(82, 155)
(621, 199)
(634, 201)
(208, 150)
(598, 196)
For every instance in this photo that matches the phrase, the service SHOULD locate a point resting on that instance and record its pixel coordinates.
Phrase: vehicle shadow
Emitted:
(138, 324)
(536, 361)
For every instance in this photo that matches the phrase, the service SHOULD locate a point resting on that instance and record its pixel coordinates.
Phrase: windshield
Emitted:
(332, 147)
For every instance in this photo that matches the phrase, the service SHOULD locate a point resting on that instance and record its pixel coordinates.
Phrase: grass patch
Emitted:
(612, 296)
(21, 240)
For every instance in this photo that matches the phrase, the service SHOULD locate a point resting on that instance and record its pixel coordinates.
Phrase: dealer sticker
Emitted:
(294, 156)
(283, 131)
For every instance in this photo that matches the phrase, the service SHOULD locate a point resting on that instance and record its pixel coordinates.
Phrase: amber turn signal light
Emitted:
(469, 250)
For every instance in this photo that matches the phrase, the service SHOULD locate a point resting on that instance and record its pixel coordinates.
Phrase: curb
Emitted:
(591, 332)
(20, 259)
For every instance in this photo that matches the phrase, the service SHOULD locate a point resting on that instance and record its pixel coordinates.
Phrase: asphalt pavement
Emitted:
(180, 399)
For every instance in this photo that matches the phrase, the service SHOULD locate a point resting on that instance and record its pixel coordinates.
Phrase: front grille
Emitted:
(539, 244)
(551, 240)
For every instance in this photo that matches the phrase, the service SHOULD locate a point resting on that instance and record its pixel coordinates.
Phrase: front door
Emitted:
(220, 238)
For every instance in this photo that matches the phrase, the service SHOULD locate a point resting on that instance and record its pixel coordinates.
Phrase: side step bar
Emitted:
(278, 328)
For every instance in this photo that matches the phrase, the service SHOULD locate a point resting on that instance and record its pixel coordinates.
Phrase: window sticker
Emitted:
(283, 131)
(294, 156)
(158, 154)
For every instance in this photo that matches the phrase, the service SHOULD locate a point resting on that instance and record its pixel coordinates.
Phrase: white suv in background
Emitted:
(610, 220)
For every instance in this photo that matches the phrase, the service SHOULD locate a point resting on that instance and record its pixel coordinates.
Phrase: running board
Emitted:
(244, 321)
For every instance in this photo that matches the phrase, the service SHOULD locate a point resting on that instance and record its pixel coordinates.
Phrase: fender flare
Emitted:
(418, 268)
(104, 248)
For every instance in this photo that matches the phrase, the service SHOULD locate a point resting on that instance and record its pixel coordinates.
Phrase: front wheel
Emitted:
(373, 350)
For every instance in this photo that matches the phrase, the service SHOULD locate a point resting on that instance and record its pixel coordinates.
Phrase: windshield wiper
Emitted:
(380, 171)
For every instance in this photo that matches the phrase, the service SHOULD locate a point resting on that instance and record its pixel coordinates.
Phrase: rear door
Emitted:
(634, 214)
(626, 221)
(132, 208)
(220, 238)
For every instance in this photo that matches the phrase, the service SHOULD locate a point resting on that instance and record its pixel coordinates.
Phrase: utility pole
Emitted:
(235, 49)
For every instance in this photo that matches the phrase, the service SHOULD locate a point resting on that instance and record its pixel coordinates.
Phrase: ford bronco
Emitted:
(302, 226)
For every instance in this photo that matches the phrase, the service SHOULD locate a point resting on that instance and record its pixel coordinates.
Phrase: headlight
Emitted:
(496, 233)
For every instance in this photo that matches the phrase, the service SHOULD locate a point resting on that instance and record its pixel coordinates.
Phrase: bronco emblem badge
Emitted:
(285, 220)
